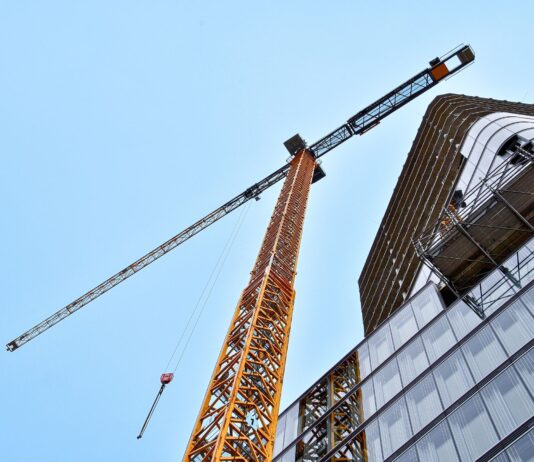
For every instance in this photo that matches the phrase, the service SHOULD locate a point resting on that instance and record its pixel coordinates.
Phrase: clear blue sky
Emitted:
(122, 122)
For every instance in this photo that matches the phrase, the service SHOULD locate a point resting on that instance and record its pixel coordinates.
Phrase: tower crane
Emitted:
(238, 416)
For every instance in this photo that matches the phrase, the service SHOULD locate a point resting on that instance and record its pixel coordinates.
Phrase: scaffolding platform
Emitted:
(497, 218)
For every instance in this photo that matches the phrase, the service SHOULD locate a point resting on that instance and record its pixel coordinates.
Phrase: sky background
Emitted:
(123, 122)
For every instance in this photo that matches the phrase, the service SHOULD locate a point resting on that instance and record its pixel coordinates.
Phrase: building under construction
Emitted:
(446, 370)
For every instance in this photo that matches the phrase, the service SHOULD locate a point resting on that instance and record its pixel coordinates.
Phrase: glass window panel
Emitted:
(496, 290)
(408, 456)
(426, 306)
(514, 327)
(350, 451)
(453, 378)
(483, 353)
(527, 273)
(412, 361)
(423, 403)
(344, 376)
(472, 429)
(522, 450)
(364, 362)
(528, 300)
(502, 293)
(394, 427)
(502, 457)
(313, 443)
(438, 338)
(372, 440)
(525, 258)
(508, 401)
(437, 445)
(403, 326)
(292, 420)
(280, 432)
(387, 383)
(289, 456)
(525, 367)
(463, 319)
(368, 399)
(380, 346)
(313, 404)
(350, 410)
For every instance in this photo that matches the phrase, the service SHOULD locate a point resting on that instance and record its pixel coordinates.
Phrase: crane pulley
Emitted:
(358, 124)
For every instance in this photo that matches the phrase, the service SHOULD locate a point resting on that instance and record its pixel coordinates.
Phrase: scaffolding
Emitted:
(330, 416)
(494, 220)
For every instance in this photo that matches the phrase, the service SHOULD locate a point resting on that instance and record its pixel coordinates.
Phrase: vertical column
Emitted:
(238, 417)
(345, 418)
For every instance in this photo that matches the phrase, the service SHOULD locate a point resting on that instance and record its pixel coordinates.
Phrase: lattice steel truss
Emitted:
(465, 245)
(345, 417)
(237, 421)
(328, 415)
(312, 407)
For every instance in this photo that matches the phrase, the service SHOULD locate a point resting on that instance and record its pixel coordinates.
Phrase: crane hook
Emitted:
(165, 379)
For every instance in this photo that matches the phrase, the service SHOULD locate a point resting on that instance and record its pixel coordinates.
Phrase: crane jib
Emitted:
(356, 125)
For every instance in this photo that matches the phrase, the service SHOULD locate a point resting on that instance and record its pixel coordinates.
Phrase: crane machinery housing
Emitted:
(238, 416)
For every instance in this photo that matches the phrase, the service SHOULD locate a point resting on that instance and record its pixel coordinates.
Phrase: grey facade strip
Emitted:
(472, 180)
(395, 353)
(412, 384)
(465, 397)
(476, 388)
(507, 441)
(359, 344)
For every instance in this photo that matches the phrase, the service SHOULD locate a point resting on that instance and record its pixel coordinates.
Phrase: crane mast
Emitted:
(238, 417)
(237, 420)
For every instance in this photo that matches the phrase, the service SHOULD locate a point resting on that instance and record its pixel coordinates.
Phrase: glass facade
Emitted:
(430, 384)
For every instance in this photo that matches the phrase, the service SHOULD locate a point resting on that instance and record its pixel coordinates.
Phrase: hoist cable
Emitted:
(204, 297)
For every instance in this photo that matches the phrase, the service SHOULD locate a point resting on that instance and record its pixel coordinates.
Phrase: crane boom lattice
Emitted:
(250, 193)
(357, 125)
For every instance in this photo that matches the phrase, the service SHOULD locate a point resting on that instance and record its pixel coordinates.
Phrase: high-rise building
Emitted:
(446, 370)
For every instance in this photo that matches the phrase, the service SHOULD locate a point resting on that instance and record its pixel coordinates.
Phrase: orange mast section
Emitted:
(237, 420)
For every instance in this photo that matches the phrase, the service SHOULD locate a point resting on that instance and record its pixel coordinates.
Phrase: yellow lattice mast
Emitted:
(237, 420)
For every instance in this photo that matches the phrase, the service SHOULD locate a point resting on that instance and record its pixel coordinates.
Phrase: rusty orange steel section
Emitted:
(237, 421)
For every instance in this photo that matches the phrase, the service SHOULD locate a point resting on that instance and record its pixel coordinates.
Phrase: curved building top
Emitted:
(455, 146)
